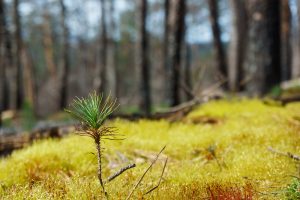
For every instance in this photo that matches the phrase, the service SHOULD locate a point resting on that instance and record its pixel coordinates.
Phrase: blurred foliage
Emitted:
(293, 190)
(240, 131)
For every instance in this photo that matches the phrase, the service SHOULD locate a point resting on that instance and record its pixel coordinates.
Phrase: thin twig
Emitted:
(118, 173)
(140, 180)
(160, 178)
(288, 154)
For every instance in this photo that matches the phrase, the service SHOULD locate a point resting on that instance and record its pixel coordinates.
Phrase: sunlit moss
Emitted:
(239, 135)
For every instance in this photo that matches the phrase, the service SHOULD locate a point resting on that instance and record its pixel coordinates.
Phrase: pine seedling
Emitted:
(92, 113)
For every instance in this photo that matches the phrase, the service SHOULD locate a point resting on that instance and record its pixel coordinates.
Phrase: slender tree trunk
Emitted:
(166, 57)
(143, 60)
(218, 46)
(99, 156)
(29, 84)
(65, 53)
(286, 52)
(296, 70)
(48, 45)
(112, 73)
(178, 30)
(187, 72)
(18, 52)
(103, 53)
(238, 44)
(2, 63)
(263, 56)
(7, 59)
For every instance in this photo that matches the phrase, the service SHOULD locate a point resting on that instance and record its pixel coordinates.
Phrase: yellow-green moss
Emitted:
(241, 132)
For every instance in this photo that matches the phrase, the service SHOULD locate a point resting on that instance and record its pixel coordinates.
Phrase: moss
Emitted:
(65, 169)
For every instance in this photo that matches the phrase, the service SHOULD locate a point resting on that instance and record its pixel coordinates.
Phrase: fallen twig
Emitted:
(140, 180)
(160, 178)
(288, 154)
(118, 173)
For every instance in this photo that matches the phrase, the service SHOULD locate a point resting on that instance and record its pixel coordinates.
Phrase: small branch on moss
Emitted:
(160, 179)
(288, 154)
(142, 177)
(118, 173)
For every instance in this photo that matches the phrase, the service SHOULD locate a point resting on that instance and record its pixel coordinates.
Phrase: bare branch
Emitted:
(140, 180)
(118, 173)
(160, 178)
(288, 154)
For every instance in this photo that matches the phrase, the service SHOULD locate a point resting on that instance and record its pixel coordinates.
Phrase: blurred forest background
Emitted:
(147, 53)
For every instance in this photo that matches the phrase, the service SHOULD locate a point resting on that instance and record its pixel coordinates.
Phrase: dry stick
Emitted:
(288, 154)
(140, 180)
(118, 173)
(160, 179)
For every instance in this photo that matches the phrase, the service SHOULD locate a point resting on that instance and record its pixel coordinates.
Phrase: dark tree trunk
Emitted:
(286, 52)
(2, 63)
(263, 56)
(7, 59)
(178, 31)
(218, 47)
(166, 57)
(187, 72)
(65, 54)
(18, 52)
(142, 58)
(237, 44)
(103, 53)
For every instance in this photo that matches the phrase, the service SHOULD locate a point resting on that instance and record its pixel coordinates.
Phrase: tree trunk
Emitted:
(112, 73)
(218, 47)
(103, 53)
(237, 44)
(187, 72)
(177, 17)
(296, 68)
(263, 56)
(7, 59)
(2, 63)
(48, 45)
(285, 41)
(18, 52)
(166, 57)
(65, 53)
(29, 77)
(142, 58)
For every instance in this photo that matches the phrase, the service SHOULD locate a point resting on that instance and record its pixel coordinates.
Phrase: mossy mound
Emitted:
(219, 149)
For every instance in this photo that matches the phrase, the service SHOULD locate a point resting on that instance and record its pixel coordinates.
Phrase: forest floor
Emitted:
(219, 151)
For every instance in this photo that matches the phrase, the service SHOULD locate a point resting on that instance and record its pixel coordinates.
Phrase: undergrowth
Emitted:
(224, 156)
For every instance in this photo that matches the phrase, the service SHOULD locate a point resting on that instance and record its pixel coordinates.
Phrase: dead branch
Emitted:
(142, 177)
(118, 173)
(288, 154)
(160, 178)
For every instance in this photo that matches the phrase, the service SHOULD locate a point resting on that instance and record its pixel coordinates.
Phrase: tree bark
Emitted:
(48, 45)
(263, 56)
(18, 52)
(112, 74)
(178, 10)
(286, 51)
(187, 72)
(218, 47)
(143, 59)
(103, 53)
(166, 57)
(2, 63)
(65, 54)
(7, 57)
(238, 44)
